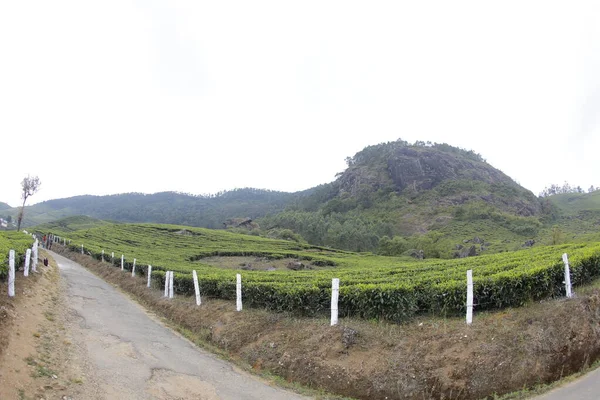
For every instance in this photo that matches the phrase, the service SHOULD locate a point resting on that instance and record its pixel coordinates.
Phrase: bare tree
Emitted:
(29, 186)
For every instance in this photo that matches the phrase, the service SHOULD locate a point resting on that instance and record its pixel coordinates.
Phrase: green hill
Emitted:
(67, 225)
(4, 206)
(394, 197)
(576, 218)
(165, 207)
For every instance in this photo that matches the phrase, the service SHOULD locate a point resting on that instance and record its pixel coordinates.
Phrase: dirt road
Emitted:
(129, 355)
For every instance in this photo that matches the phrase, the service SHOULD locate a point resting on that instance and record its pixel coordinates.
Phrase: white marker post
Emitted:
(171, 285)
(166, 284)
(335, 295)
(112, 258)
(149, 274)
(133, 269)
(82, 249)
(122, 262)
(35, 256)
(11, 273)
(469, 297)
(568, 287)
(27, 260)
(238, 292)
(102, 257)
(196, 288)
(64, 242)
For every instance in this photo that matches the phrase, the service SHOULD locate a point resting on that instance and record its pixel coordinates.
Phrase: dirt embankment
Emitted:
(38, 359)
(437, 358)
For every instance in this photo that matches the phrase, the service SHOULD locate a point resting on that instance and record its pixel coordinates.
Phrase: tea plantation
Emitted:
(370, 286)
(17, 241)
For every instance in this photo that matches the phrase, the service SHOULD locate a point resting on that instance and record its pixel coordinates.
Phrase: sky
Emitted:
(203, 96)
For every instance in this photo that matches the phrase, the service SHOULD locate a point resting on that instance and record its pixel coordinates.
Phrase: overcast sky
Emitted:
(200, 96)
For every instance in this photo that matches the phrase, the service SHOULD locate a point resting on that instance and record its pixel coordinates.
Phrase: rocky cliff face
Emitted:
(425, 168)
(457, 176)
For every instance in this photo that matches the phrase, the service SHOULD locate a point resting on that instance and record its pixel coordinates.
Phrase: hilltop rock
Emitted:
(466, 252)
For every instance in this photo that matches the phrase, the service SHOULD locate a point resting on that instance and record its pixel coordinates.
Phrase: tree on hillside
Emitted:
(29, 186)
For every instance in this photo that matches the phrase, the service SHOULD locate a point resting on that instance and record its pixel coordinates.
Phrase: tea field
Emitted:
(17, 241)
(370, 286)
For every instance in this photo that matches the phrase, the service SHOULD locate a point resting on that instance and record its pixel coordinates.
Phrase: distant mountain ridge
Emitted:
(164, 207)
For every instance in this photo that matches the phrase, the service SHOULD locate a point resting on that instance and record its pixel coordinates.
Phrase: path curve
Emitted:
(585, 388)
(132, 356)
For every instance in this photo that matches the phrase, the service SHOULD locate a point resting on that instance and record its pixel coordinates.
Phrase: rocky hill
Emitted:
(397, 197)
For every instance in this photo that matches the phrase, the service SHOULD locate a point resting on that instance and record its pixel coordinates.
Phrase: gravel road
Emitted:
(129, 355)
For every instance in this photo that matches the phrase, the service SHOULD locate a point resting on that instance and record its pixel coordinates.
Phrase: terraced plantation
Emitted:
(17, 241)
(370, 286)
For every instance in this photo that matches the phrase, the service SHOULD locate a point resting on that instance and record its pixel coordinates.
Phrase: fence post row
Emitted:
(568, 287)
(238, 292)
(11, 273)
(335, 294)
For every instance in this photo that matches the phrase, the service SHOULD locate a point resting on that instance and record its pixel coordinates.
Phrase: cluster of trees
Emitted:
(381, 151)
(565, 188)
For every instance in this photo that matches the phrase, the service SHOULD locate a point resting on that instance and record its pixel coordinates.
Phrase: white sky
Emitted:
(200, 96)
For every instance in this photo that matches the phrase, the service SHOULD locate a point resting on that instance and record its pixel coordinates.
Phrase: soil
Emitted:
(39, 359)
(428, 358)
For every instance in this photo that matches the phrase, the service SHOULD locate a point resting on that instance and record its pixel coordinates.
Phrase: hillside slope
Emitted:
(165, 207)
(431, 197)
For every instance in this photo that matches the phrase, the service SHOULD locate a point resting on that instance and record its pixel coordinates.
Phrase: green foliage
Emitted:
(13, 240)
(391, 288)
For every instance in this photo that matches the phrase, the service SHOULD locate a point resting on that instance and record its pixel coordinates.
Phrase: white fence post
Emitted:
(469, 297)
(102, 259)
(335, 294)
(568, 287)
(238, 292)
(82, 249)
(11, 273)
(133, 268)
(64, 242)
(149, 274)
(35, 256)
(122, 262)
(112, 257)
(196, 288)
(27, 260)
(166, 284)
(171, 285)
